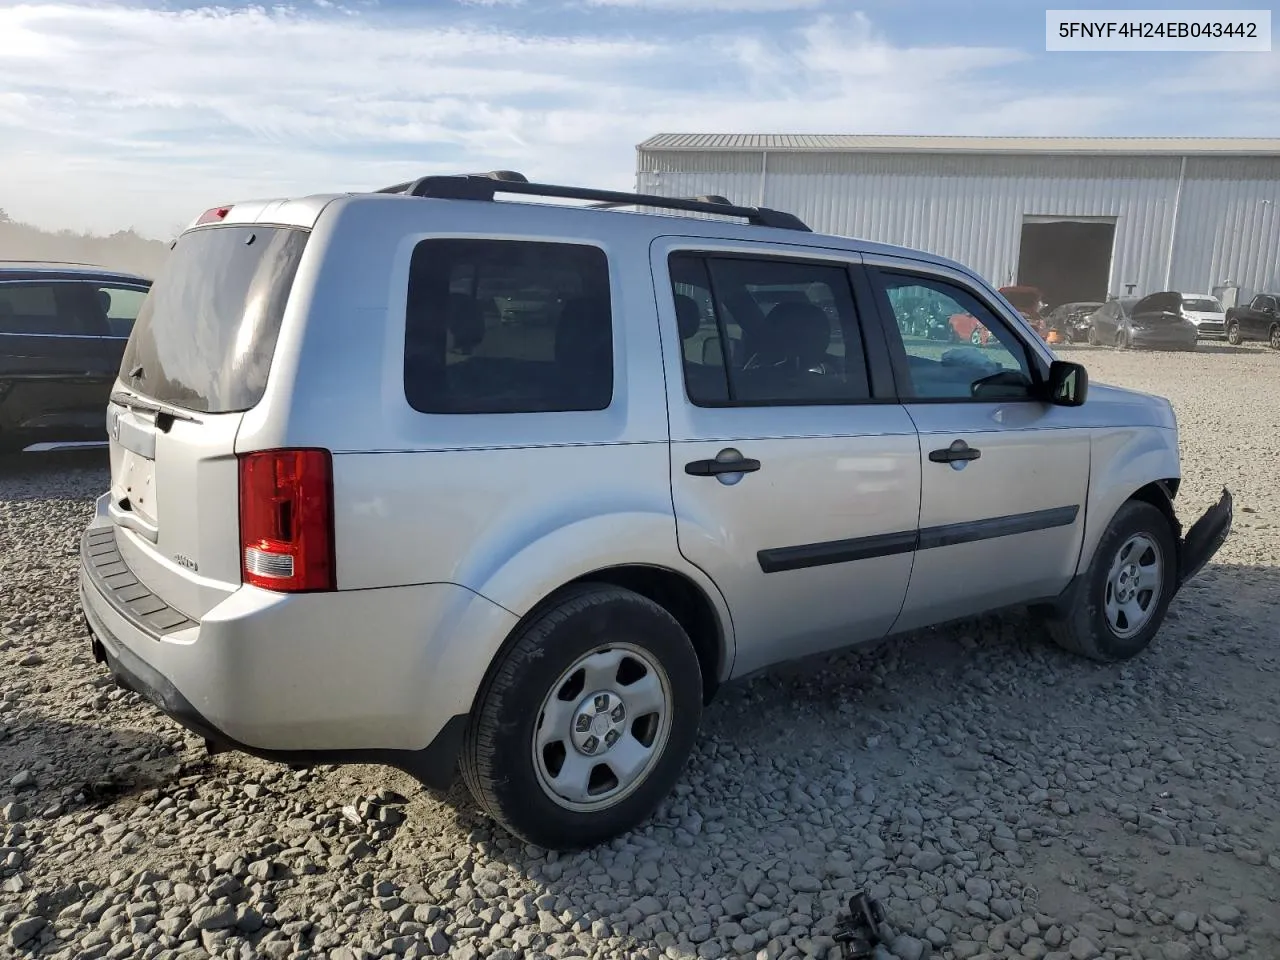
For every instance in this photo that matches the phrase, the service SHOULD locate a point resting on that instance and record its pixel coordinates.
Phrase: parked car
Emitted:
(331, 537)
(1107, 323)
(967, 328)
(63, 329)
(1260, 320)
(1156, 322)
(1207, 313)
(1071, 320)
(1028, 301)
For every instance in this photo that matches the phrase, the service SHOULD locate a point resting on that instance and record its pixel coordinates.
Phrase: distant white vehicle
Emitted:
(1207, 313)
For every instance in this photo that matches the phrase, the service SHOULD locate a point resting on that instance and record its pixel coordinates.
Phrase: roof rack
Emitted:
(484, 186)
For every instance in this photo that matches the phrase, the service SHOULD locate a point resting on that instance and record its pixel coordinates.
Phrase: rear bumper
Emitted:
(370, 676)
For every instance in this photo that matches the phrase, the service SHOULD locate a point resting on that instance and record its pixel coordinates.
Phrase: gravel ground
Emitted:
(1001, 798)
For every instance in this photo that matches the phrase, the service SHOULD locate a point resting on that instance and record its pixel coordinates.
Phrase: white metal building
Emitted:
(1078, 217)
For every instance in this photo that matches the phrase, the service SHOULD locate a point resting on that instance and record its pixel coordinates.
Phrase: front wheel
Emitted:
(587, 720)
(1122, 341)
(1126, 590)
(1233, 334)
(1093, 337)
(1274, 336)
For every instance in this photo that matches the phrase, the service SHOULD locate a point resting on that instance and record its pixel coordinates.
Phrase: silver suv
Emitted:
(425, 478)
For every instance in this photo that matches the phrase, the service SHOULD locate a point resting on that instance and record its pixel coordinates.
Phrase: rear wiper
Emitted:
(150, 406)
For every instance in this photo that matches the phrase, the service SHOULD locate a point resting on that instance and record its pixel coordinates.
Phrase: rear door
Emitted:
(1004, 476)
(795, 484)
(196, 360)
(52, 385)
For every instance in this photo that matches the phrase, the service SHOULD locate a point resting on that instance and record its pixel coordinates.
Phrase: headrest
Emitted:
(688, 316)
(803, 327)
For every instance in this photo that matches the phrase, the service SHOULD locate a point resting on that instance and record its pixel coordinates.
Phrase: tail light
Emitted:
(213, 215)
(286, 520)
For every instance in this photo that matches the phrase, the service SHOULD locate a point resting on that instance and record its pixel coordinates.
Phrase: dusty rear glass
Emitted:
(206, 333)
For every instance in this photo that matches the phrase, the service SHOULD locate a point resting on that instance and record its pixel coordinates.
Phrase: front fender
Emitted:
(1124, 460)
(593, 544)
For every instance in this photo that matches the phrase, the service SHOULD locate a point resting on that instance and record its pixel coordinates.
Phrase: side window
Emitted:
(508, 326)
(32, 308)
(956, 347)
(121, 306)
(759, 332)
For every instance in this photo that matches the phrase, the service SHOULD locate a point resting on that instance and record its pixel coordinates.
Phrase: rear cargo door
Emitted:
(197, 359)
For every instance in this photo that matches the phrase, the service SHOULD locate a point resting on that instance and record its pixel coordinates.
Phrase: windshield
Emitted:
(206, 333)
(1201, 305)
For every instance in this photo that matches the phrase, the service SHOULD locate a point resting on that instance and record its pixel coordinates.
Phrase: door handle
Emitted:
(958, 452)
(726, 461)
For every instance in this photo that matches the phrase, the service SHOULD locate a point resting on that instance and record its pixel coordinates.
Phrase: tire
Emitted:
(1093, 337)
(975, 338)
(510, 778)
(1088, 629)
(1122, 341)
(1273, 336)
(1233, 333)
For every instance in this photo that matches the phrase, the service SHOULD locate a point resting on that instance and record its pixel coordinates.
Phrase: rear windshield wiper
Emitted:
(150, 406)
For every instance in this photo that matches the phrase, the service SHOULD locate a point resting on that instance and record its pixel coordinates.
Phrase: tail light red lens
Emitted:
(213, 215)
(286, 520)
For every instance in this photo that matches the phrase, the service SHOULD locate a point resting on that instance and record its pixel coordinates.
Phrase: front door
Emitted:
(1004, 476)
(795, 488)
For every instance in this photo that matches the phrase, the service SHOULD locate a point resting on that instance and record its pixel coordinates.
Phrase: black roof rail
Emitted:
(486, 186)
(509, 175)
(703, 198)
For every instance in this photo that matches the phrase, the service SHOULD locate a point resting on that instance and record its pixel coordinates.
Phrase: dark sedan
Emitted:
(63, 329)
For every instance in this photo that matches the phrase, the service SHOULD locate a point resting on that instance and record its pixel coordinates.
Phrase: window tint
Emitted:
(508, 326)
(121, 306)
(767, 331)
(61, 308)
(960, 350)
(206, 333)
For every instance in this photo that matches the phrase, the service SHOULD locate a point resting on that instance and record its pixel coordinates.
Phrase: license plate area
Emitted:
(137, 485)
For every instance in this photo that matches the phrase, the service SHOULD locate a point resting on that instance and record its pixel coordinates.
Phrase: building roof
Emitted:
(866, 143)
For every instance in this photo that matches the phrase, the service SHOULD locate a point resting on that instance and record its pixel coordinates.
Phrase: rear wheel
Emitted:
(587, 721)
(1126, 590)
(1233, 333)
(976, 338)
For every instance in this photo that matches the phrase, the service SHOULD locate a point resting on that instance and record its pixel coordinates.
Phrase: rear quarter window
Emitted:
(508, 326)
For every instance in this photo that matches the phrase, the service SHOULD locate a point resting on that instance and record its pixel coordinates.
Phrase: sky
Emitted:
(141, 115)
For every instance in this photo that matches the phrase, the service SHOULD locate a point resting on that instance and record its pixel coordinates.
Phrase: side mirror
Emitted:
(1068, 384)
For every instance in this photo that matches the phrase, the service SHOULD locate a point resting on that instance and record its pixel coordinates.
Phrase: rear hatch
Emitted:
(197, 359)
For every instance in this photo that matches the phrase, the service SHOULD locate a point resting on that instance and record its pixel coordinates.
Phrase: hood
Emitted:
(1133, 407)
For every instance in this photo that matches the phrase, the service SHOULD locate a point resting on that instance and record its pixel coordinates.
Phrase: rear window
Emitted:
(206, 333)
(508, 326)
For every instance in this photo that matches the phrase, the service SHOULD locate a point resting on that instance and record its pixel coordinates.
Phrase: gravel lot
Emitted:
(1001, 798)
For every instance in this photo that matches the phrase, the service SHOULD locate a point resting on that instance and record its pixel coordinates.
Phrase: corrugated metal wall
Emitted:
(971, 207)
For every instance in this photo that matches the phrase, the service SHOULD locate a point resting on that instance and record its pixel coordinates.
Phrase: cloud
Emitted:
(115, 115)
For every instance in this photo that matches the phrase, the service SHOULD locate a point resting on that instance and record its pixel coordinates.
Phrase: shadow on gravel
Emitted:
(77, 766)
